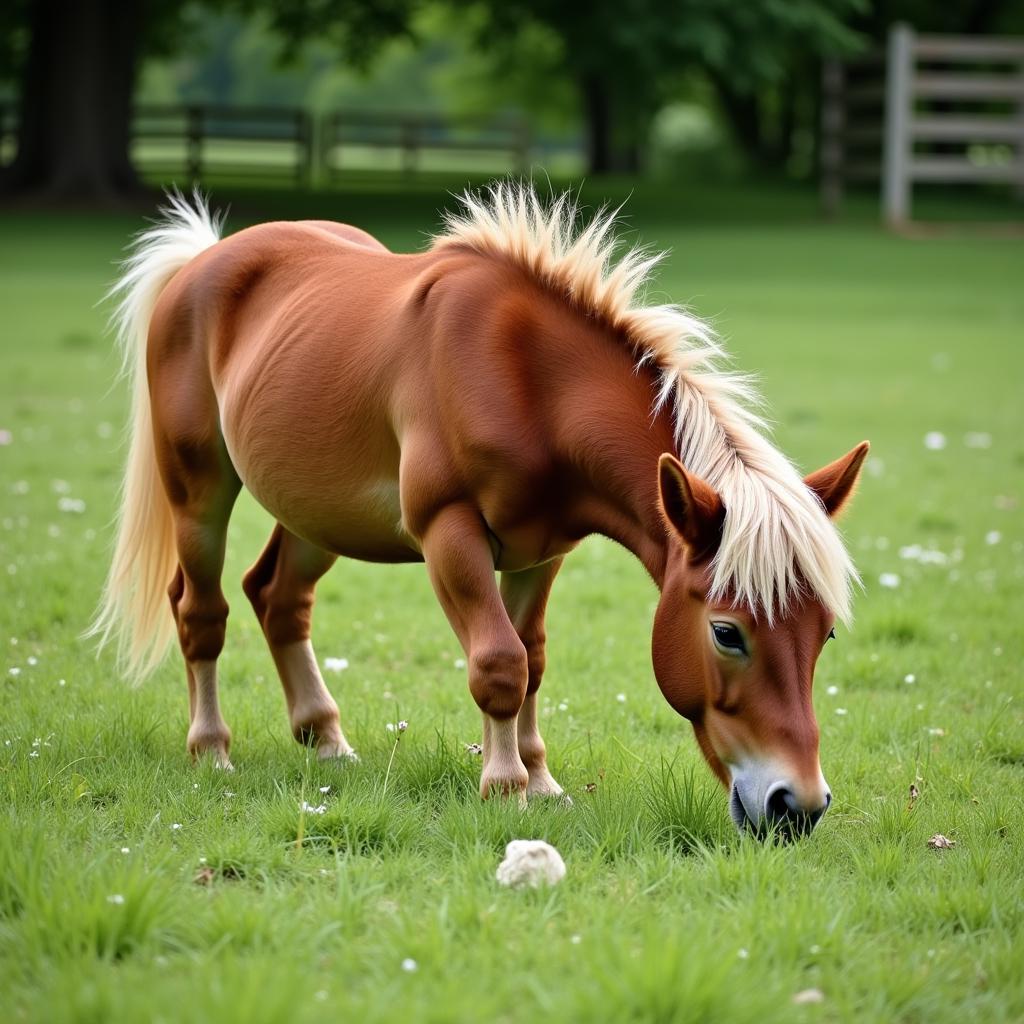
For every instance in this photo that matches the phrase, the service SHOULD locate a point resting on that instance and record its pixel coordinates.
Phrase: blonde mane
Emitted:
(776, 537)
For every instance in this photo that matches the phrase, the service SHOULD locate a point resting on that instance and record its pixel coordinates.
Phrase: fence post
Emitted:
(830, 155)
(899, 71)
(194, 145)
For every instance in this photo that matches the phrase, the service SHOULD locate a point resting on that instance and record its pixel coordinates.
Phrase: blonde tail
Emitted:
(134, 609)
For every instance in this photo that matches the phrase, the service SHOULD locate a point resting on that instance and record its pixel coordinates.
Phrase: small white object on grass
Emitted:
(809, 995)
(890, 580)
(335, 664)
(530, 862)
(934, 440)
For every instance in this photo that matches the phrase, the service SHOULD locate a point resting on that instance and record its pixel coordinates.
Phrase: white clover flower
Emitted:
(621, 698)
(402, 726)
(890, 580)
(76, 505)
(335, 664)
(176, 826)
(832, 691)
(992, 537)
(310, 809)
(409, 965)
(841, 711)
(909, 678)
(935, 440)
(115, 898)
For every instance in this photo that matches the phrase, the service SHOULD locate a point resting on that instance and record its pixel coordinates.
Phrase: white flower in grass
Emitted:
(978, 439)
(890, 580)
(992, 537)
(935, 440)
(910, 678)
(403, 725)
(115, 898)
(459, 663)
(743, 954)
(76, 505)
(60, 486)
(621, 698)
(832, 691)
(176, 826)
(390, 726)
(308, 808)
(126, 849)
(32, 660)
(15, 672)
(6, 437)
(409, 965)
(335, 664)
(841, 711)
(325, 789)
(575, 939)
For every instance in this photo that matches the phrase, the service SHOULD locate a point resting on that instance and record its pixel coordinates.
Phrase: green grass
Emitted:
(251, 911)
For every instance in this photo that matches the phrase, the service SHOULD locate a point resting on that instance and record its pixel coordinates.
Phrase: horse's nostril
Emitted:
(782, 808)
(781, 804)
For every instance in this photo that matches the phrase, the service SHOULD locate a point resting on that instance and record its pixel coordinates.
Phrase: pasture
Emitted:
(134, 886)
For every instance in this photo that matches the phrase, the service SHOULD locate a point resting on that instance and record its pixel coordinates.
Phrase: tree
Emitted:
(75, 67)
(75, 63)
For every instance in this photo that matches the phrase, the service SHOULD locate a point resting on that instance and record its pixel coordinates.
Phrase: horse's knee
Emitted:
(498, 678)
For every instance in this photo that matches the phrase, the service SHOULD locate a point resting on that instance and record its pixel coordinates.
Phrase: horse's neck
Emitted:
(609, 432)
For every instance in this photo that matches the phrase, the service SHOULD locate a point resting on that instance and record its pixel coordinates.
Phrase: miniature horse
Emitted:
(482, 406)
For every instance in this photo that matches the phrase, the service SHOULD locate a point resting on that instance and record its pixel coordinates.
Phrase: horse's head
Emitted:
(744, 683)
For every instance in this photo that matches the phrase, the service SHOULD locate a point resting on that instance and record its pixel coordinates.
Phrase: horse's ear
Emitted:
(835, 483)
(691, 507)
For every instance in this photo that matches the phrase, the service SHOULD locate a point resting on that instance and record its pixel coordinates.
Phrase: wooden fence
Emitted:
(349, 140)
(946, 109)
(197, 142)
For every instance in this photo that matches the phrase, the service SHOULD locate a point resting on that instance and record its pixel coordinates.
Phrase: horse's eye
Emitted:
(728, 639)
(831, 635)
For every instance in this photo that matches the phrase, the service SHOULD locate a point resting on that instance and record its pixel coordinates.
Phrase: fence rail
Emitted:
(414, 136)
(953, 113)
(198, 141)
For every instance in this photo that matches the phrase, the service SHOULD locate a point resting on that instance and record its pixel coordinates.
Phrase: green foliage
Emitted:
(253, 910)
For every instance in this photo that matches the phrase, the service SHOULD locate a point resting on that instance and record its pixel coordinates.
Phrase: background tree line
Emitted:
(607, 66)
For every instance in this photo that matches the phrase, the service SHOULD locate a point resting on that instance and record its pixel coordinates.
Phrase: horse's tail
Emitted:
(134, 609)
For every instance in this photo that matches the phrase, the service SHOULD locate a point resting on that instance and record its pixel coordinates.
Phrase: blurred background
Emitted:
(102, 100)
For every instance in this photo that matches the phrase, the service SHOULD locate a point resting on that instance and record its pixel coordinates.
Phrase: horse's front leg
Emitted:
(525, 595)
(461, 565)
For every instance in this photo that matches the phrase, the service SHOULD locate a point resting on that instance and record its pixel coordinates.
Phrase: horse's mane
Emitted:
(777, 539)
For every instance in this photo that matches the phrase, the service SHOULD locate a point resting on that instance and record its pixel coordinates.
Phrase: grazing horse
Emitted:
(482, 407)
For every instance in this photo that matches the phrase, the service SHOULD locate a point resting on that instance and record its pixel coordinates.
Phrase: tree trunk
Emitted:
(75, 102)
(612, 143)
(597, 112)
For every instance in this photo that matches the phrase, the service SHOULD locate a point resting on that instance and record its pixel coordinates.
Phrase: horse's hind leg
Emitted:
(525, 595)
(202, 487)
(281, 588)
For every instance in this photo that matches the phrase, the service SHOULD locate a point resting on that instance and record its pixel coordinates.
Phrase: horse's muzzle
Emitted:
(779, 812)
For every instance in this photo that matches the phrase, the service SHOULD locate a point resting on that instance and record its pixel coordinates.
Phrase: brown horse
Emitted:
(481, 407)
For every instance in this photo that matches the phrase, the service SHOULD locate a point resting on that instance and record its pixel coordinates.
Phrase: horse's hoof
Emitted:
(336, 752)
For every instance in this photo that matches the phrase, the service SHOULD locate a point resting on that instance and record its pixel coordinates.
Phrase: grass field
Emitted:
(134, 886)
